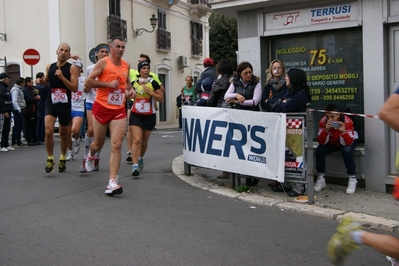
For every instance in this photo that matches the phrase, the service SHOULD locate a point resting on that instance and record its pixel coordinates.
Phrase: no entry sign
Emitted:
(31, 57)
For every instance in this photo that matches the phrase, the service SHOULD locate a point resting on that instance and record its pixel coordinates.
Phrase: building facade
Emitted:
(176, 45)
(348, 50)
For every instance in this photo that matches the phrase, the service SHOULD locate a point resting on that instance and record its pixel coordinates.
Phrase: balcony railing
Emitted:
(116, 27)
(196, 47)
(163, 40)
(200, 2)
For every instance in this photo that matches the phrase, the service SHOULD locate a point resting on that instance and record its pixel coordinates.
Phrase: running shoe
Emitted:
(341, 243)
(76, 146)
(141, 164)
(89, 163)
(61, 166)
(128, 156)
(96, 164)
(135, 170)
(4, 149)
(113, 187)
(70, 156)
(49, 166)
(82, 168)
(10, 148)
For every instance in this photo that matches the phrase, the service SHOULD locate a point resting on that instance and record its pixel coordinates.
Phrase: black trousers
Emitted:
(30, 124)
(6, 131)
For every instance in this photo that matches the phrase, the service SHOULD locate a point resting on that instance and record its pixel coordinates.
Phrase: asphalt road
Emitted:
(66, 219)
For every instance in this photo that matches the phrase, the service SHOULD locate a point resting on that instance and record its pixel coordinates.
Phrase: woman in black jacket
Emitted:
(220, 85)
(275, 88)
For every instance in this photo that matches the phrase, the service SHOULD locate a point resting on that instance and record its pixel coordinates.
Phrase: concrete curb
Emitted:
(369, 221)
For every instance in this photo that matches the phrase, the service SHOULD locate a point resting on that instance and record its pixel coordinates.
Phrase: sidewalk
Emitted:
(378, 211)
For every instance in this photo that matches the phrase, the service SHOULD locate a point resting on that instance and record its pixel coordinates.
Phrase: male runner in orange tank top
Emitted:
(111, 76)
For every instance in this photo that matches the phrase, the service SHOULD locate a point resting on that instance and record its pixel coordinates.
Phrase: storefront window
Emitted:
(333, 62)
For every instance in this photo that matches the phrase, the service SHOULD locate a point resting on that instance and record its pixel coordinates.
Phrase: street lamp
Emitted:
(3, 37)
(153, 21)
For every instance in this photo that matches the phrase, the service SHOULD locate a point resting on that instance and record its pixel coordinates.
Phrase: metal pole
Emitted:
(309, 156)
(187, 169)
(31, 71)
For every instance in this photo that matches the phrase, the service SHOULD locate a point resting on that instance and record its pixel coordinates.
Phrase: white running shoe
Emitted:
(113, 187)
(351, 186)
(82, 167)
(76, 146)
(89, 163)
(10, 148)
(4, 149)
(69, 156)
(320, 184)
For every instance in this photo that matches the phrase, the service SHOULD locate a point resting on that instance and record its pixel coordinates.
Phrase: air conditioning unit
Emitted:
(182, 61)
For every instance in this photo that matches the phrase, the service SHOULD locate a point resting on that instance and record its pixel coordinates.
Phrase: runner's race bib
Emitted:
(59, 95)
(116, 97)
(143, 106)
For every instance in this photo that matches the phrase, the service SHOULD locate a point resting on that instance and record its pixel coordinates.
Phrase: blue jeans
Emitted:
(347, 154)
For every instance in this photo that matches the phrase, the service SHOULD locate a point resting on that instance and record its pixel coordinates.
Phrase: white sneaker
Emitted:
(69, 156)
(320, 184)
(4, 149)
(10, 148)
(76, 146)
(89, 163)
(351, 186)
(113, 187)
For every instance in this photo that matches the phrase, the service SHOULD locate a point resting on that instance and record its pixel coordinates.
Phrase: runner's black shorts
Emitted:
(146, 122)
(60, 110)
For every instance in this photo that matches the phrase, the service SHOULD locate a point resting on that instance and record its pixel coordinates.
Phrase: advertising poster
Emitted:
(295, 148)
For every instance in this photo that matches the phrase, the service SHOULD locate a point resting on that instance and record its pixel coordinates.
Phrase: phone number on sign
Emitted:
(342, 97)
(340, 90)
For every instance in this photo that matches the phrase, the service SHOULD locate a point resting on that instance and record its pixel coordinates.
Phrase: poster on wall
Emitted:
(333, 63)
(295, 147)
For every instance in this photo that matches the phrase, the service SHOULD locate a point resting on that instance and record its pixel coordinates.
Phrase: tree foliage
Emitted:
(223, 42)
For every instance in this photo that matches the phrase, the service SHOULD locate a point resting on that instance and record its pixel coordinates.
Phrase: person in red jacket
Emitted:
(335, 135)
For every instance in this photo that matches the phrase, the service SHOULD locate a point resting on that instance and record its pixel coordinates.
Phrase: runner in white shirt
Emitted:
(101, 50)
(77, 114)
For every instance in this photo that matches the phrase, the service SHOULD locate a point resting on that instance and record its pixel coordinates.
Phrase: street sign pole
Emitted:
(31, 57)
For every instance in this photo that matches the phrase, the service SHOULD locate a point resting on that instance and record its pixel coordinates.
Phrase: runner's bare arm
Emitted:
(91, 81)
(72, 84)
(389, 112)
(129, 92)
(45, 81)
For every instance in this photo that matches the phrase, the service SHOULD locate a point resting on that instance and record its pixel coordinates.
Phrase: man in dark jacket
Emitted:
(5, 109)
(207, 77)
(31, 98)
(43, 93)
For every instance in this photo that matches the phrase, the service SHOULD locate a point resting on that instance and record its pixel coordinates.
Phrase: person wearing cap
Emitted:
(62, 77)
(204, 84)
(31, 99)
(5, 109)
(41, 106)
(77, 114)
(19, 104)
(110, 76)
(101, 51)
(143, 114)
(134, 74)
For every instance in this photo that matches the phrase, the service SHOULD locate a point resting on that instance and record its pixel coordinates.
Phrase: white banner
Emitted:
(312, 16)
(237, 141)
